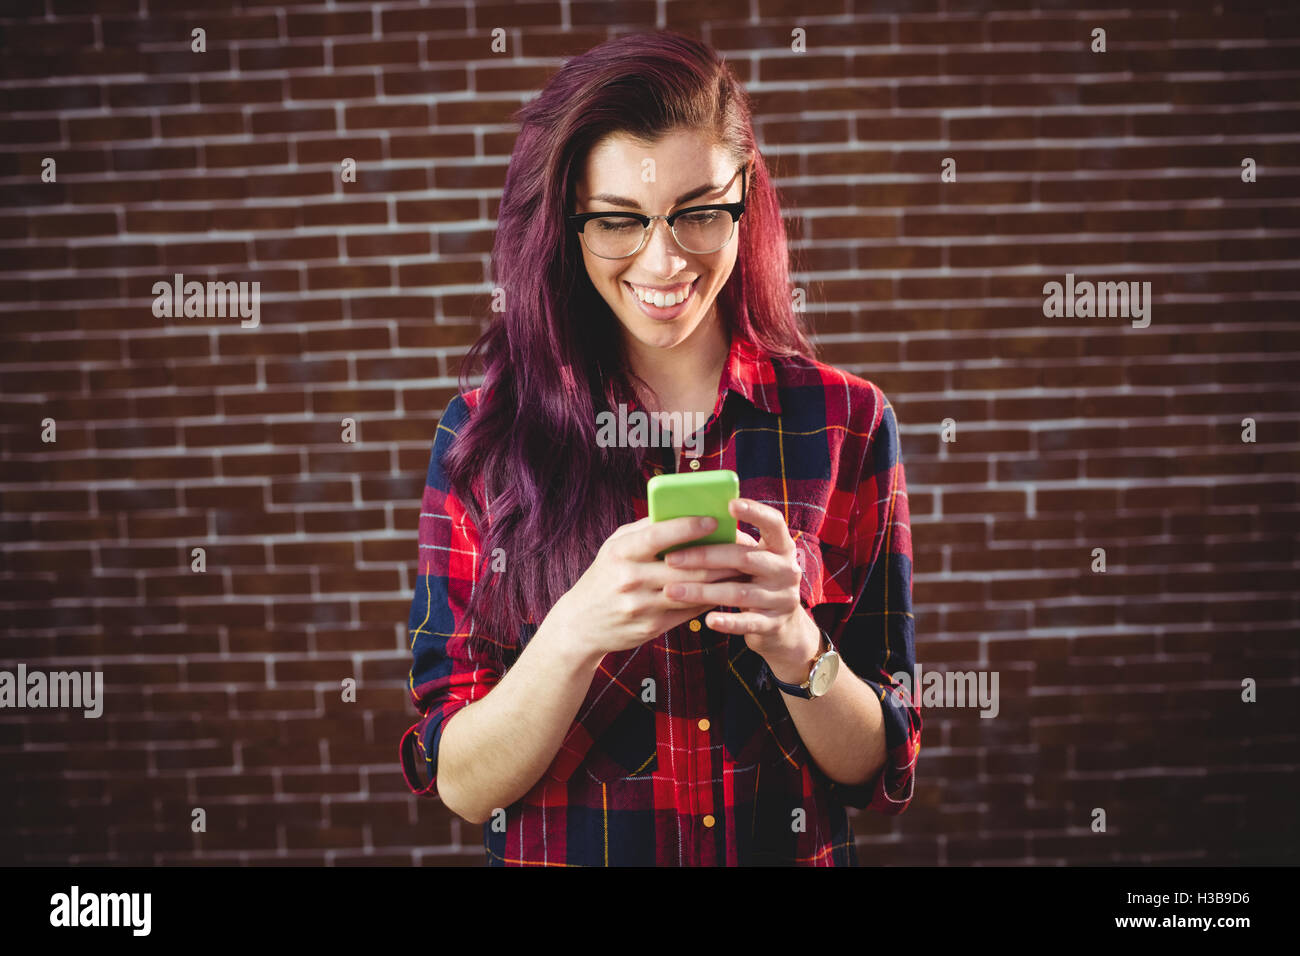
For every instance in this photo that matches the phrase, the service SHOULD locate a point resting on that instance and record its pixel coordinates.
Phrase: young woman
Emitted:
(584, 701)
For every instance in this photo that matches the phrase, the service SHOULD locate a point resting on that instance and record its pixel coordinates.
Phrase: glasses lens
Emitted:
(613, 236)
(705, 231)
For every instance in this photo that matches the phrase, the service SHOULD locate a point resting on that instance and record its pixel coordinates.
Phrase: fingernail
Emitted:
(706, 524)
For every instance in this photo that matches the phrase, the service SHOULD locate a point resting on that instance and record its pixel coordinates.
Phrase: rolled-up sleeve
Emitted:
(876, 639)
(444, 676)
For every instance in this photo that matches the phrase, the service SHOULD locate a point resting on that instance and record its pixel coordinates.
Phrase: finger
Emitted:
(745, 558)
(730, 622)
(659, 575)
(770, 523)
(747, 595)
(644, 543)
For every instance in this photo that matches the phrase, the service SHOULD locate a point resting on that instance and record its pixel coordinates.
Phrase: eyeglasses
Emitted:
(698, 230)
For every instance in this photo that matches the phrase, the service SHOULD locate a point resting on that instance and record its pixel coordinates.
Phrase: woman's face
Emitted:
(681, 170)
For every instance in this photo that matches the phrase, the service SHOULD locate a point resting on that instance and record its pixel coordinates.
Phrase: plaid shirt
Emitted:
(712, 770)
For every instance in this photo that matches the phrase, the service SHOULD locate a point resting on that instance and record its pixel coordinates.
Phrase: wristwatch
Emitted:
(820, 676)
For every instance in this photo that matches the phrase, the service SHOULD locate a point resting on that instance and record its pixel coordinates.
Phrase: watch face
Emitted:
(827, 668)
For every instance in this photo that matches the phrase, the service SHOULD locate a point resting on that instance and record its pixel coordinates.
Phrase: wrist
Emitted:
(794, 668)
(563, 638)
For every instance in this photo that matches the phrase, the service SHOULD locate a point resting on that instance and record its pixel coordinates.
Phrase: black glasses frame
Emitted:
(736, 209)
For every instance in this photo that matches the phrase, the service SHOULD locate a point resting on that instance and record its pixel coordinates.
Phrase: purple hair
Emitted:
(552, 361)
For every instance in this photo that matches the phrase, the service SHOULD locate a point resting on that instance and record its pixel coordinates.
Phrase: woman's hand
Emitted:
(619, 601)
(772, 617)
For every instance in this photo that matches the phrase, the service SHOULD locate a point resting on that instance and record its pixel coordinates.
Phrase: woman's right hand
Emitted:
(619, 602)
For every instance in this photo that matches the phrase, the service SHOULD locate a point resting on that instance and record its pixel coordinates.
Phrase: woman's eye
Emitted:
(700, 218)
(616, 225)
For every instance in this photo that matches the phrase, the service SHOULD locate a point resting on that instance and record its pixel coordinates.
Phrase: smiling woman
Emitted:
(586, 701)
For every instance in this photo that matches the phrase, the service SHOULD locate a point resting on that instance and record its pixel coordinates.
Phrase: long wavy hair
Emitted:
(553, 360)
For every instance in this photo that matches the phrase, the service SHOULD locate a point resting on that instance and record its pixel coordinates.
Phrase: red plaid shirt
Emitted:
(712, 771)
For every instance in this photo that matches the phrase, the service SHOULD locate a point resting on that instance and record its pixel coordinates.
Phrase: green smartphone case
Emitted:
(702, 493)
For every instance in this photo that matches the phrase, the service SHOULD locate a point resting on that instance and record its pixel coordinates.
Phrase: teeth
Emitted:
(658, 298)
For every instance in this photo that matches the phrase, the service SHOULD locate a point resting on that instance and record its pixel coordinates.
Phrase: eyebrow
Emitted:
(631, 204)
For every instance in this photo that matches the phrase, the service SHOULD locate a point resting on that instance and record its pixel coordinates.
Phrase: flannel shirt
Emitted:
(711, 771)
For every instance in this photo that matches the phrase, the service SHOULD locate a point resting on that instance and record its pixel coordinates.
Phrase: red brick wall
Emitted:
(1118, 690)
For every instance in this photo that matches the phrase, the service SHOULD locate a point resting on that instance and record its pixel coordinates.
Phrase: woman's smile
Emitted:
(660, 304)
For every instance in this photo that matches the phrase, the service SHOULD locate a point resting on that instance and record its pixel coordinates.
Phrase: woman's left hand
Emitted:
(771, 616)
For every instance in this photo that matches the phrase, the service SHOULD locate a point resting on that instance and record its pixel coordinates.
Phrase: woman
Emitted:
(617, 716)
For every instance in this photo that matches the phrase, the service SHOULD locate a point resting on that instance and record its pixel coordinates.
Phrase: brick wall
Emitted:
(1119, 690)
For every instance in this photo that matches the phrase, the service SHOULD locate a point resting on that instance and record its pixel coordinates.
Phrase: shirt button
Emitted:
(704, 723)
(695, 624)
(708, 820)
(695, 464)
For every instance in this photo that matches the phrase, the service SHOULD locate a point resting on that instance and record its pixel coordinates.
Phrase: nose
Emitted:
(661, 254)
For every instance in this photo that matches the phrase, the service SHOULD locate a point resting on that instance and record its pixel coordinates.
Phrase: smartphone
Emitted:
(695, 493)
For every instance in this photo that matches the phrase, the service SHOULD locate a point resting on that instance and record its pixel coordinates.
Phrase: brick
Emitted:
(376, 53)
(432, 82)
(293, 56)
(421, 21)
(201, 124)
(389, 244)
(479, 110)
(396, 116)
(340, 86)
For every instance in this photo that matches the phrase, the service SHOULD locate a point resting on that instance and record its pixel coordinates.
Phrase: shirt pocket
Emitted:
(828, 572)
(615, 735)
(757, 727)
(627, 748)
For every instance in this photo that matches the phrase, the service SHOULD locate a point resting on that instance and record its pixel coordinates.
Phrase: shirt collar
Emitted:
(751, 374)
